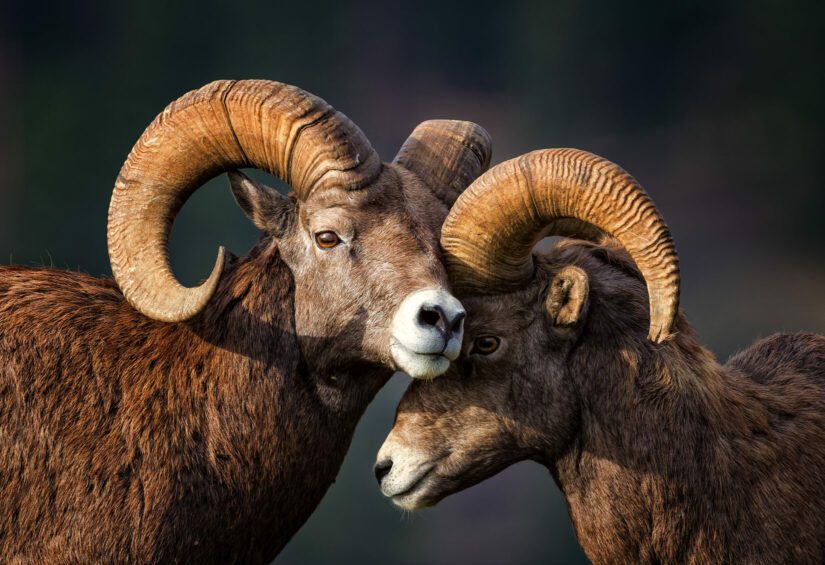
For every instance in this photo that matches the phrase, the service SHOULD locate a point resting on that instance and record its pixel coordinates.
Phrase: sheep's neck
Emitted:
(209, 441)
(665, 436)
(276, 428)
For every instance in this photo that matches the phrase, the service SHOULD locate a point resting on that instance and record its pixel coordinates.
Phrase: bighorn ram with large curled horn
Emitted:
(663, 455)
(148, 422)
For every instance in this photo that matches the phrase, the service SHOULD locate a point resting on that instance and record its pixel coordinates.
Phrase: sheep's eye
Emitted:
(327, 239)
(486, 345)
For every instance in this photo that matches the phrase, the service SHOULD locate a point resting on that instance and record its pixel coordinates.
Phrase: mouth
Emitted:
(419, 365)
(411, 497)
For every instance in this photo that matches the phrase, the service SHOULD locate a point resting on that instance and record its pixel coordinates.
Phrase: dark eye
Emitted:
(327, 239)
(486, 344)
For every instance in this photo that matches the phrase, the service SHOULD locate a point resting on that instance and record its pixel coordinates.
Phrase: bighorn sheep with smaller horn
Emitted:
(663, 454)
(147, 422)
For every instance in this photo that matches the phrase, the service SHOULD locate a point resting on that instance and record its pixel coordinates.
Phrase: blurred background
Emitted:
(717, 108)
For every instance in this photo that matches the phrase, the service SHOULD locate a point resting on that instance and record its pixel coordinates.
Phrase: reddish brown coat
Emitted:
(663, 454)
(127, 439)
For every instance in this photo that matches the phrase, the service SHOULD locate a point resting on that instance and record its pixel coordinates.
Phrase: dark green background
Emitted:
(716, 108)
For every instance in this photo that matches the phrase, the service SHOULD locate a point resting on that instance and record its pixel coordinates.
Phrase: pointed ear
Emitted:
(269, 210)
(566, 299)
(447, 155)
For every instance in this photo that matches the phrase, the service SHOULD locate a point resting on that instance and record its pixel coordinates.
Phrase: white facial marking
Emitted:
(453, 348)
(406, 482)
(417, 365)
(426, 333)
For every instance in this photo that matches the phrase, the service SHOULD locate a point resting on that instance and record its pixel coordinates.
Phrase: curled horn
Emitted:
(447, 155)
(222, 126)
(490, 232)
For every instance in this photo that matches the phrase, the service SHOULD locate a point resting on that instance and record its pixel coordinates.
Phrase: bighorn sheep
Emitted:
(663, 455)
(205, 424)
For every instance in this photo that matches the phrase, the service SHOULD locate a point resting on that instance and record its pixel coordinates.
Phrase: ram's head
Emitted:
(359, 236)
(537, 325)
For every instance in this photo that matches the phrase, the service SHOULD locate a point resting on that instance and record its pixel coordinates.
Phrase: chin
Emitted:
(425, 493)
(415, 501)
(410, 504)
(419, 365)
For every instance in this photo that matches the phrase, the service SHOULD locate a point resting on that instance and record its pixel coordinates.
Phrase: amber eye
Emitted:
(327, 239)
(486, 344)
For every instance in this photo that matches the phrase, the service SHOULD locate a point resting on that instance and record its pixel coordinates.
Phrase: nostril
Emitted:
(459, 318)
(382, 468)
(435, 317)
(430, 316)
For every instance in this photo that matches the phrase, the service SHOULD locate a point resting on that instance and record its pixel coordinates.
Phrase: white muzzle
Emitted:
(426, 333)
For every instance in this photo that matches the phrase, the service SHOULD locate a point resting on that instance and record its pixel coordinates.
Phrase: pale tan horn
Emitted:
(490, 232)
(447, 155)
(222, 126)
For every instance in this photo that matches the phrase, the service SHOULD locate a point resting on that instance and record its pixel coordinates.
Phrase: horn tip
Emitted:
(211, 283)
(658, 335)
(204, 292)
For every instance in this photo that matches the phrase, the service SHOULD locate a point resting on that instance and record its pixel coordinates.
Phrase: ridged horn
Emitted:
(571, 227)
(222, 126)
(490, 232)
(447, 155)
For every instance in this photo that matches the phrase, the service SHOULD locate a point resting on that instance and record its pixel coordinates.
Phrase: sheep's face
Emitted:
(369, 282)
(508, 399)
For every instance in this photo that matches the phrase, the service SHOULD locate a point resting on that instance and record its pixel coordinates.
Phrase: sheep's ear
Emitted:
(447, 155)
(269, 210)
(566, 299)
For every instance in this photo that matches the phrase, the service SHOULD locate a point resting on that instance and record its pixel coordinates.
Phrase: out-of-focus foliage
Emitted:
(715, 107)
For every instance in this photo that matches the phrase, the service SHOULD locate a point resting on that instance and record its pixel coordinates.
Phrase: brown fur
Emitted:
(124, 439)
(663, 455)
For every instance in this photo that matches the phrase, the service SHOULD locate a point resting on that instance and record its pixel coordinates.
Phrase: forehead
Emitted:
(501, 313)
(396, 196)
(339, 200)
